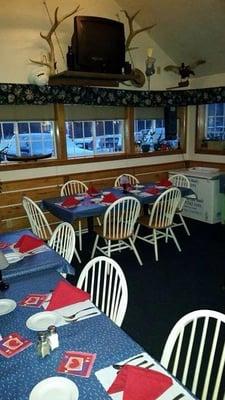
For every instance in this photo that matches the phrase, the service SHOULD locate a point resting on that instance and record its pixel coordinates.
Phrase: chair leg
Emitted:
(135, 251)
(155, 245)
(166, 236)
(136, 233)
(184, 223)
(94, 247)
(109, 248)
(77, 255)
(174, 238)
(80, 236)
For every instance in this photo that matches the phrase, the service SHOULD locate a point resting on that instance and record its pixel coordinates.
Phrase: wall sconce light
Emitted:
(150, 66)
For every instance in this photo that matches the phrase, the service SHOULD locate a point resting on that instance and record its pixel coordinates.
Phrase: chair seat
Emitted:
(144, 220)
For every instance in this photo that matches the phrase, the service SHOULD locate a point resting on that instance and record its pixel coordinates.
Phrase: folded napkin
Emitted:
(152, 190)
(65, 294)
(70, 201)
(28, 243)
(109, 198)
(92, 190)
(165, 182)
(139, 383)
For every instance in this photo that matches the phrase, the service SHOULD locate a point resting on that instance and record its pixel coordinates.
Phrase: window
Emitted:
(150, 132)
(21, 136)
(210, 135)
(94, 130)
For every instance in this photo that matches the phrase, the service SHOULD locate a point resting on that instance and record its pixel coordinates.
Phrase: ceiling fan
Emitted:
(185, 71)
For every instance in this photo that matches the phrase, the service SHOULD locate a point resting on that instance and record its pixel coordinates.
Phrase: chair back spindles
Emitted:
(103, 278)
(38, 221)
(131, 179)
(63, 241)
(73, 187)
(195, 353)
(164, 208)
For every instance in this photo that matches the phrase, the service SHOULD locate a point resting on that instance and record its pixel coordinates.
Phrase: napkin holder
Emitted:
(3, 265)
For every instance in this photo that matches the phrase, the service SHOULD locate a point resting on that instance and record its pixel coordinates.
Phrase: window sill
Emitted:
(10, 166)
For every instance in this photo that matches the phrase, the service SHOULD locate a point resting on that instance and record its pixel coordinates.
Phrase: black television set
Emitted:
(98, 45)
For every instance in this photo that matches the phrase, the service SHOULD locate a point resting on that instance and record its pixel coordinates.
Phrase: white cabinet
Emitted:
(207, 206)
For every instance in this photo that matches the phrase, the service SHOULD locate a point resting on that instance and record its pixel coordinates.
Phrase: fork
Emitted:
(118, 366)
(71, 317)
(81, 317)
(136, 365)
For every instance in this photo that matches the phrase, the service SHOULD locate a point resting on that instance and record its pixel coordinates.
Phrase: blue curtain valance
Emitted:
(16, 94)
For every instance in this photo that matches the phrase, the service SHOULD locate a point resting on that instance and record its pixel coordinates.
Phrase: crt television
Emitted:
(98, 45)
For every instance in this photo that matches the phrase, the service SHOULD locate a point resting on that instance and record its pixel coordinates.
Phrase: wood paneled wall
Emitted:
(12, 214)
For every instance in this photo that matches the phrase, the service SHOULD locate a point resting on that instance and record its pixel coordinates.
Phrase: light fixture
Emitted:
(150, 65)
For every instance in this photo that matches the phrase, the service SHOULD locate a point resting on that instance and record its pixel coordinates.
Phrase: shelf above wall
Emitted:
(78, 78)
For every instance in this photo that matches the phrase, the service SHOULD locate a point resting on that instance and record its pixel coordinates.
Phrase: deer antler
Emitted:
(133, 33)
(50, 61)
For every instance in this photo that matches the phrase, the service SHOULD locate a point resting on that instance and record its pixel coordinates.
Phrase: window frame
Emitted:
(130, 150)
(203, 145)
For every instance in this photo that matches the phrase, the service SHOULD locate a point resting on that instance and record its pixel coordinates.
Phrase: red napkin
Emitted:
(66, 294)
(152, 190)
(140, 383)
(70, 201)
(109, 198)
(91, 190)
(165, 182)
(27, 243)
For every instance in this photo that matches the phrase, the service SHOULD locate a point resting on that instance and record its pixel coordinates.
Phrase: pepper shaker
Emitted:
(53, 337)
(43, 346)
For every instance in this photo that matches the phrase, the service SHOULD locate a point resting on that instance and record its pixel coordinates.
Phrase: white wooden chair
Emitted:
(103, 278)
(130, 179)
(160, 220)
(63, 241)
(195, 353)
(75, 187)
(38, 221)
(180, 180)
(118, 227)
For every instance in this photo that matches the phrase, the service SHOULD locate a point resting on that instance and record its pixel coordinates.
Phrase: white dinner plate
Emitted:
(42, 320)
(6, 306)
(55, 388)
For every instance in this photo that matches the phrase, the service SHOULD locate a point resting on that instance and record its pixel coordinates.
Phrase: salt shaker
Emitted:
(43, 346)
(53, 337)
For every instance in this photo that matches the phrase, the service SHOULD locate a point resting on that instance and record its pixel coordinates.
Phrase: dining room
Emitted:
(122, 132)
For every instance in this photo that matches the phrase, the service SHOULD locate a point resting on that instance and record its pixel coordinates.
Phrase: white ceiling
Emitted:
(187, 30)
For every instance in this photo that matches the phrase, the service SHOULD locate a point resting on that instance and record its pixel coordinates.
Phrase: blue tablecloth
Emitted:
(19, 374)
(87, 208)
(31, 264)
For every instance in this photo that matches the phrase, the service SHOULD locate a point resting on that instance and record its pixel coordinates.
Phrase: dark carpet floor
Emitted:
(161, 292)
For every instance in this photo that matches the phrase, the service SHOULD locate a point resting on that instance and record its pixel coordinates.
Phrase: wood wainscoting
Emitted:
(12, 214)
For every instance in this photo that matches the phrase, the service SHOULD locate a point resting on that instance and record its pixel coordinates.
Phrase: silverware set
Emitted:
(74, 318)
(144, 363)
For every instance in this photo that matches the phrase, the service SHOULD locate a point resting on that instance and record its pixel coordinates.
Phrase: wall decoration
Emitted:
(185, 71)
(50, 61)
(139, 77)
(15, 94)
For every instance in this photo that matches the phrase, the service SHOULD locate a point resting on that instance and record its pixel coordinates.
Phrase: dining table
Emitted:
(30, 262)
(94, 205)
(95, 334)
